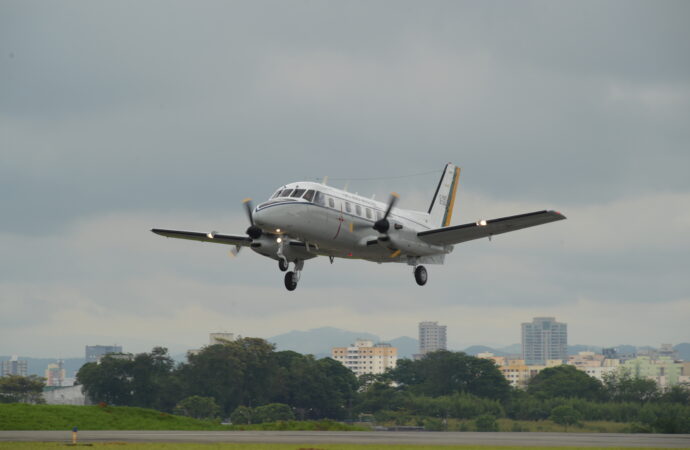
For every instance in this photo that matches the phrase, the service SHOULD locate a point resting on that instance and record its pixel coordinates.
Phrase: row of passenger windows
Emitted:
(325, 200)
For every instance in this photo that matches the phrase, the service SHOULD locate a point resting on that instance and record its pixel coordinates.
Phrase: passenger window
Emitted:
(331, 202)
(358, 209)
(309, 195)
(298, 193)
(379, 216)
(347, 207)
(368, 213)
(286, 193)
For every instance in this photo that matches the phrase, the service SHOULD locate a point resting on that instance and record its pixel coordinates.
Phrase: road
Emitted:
(374, 437)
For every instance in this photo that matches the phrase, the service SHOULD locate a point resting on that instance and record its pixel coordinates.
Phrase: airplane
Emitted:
(303, 220)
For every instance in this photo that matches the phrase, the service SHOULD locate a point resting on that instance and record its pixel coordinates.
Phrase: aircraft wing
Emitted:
(205, 237)
(486, 228)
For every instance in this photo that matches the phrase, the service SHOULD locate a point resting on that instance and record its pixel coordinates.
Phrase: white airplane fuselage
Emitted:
(340, 224)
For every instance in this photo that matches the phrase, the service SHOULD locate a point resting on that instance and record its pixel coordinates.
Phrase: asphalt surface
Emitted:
(374, 437)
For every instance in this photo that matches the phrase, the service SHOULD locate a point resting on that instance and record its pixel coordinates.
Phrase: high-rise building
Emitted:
(55, 374)
(432, 337)
(94, 353)
(544, 339)
(14, 366)
(363, 357)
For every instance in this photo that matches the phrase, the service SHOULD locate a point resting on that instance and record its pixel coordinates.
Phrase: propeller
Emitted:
(382, 225)
(253, 231)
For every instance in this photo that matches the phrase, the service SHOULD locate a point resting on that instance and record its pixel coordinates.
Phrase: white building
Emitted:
(432, 337)
(363, 357)
(544, 339)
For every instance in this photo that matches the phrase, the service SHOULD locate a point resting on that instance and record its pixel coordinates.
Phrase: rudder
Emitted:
(441, 209)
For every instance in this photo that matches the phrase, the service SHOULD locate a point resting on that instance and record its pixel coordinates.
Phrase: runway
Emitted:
(374, 437)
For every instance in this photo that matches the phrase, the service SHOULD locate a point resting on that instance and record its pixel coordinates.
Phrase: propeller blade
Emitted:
(382, 225)
(248, 206)
(394, 198)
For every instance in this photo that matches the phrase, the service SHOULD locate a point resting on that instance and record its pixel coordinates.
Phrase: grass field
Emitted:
(20, 416)
(168, 446)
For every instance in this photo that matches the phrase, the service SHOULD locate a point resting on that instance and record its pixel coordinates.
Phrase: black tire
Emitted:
(420, 275)
(290, 281)
(283, 265)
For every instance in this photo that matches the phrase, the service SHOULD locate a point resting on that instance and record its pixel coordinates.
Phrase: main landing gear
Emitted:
(283, 264)
(420, 275)
(291, 278)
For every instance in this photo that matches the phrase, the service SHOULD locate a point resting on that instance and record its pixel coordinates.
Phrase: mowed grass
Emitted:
(19, 416)
(175, 446)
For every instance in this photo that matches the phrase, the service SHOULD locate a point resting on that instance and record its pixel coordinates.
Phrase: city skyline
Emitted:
(116, 122)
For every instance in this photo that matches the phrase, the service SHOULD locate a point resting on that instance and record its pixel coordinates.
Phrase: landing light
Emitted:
(211, 235)
(482, 223)
(277, 230)
(279, 240)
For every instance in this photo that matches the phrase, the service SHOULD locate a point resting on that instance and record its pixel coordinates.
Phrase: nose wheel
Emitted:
(420, 275)
(283, 265)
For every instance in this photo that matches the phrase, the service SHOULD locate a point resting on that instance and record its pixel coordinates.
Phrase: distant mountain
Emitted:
(577, 348)
(38, 366)
(319, 341)
(406, 346)
(683, 351)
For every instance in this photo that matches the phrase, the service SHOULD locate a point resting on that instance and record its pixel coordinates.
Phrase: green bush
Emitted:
(486, 422)
(564, 415)
(272, 412)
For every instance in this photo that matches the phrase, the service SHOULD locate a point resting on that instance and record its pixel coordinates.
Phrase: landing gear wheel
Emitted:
(283, 265)
(290, 281)
(420, 275)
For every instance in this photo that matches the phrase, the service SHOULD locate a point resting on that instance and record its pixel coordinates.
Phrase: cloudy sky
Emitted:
(120, 116)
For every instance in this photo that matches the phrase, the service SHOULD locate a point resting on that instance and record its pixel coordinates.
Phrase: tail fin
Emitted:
(441, 209)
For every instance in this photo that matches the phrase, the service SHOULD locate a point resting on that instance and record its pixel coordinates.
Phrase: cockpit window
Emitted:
(277, 193)
(298, 193)
(319, 198)
(286, 193)
(309, 195)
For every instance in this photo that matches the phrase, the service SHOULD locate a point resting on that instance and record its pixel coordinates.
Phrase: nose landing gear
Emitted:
(291, 278)
(283, 264)
(420, 275)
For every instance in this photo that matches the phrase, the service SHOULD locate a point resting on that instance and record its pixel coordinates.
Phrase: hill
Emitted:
(406, 346)
(318, 341)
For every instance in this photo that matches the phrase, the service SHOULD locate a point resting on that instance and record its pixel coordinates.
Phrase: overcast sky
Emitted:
(120, 116)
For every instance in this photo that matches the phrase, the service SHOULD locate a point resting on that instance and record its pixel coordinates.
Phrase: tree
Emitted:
(486, 422)
(564, 415)
(273, 412)
(565, 381)
(198, 407)
(240, 372)
(18, 389)
(146, 380)
(108, 381)
(445, 373)
(622, 386)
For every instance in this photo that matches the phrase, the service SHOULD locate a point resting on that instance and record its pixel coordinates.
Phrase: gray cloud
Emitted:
(119, 116)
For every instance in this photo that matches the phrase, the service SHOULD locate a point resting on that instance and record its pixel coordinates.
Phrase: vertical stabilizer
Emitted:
(441, 209)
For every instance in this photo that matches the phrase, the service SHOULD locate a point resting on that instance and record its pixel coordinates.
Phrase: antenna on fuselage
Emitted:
(347, 185)
(325, 180)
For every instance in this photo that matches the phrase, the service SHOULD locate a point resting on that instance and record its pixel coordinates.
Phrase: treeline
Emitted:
(249, 381)
(247, 372)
